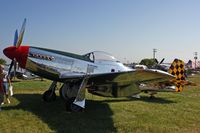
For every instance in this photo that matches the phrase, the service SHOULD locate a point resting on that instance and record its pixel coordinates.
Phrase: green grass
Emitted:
(169, 112)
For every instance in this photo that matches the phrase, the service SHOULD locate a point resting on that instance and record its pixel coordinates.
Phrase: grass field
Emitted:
(168, 113)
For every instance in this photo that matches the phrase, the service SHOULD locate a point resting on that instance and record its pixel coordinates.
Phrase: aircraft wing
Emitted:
(142, 76)
(137, 76)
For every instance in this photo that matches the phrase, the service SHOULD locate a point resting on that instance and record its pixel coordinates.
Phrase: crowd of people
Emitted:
(5, 84)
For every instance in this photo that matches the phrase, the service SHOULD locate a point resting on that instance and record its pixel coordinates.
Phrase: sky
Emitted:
(128, 29)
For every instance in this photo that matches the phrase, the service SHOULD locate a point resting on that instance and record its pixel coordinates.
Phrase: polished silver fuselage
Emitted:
(56, 65)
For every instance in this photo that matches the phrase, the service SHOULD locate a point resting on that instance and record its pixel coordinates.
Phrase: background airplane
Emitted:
(99, 72)
(19, 73)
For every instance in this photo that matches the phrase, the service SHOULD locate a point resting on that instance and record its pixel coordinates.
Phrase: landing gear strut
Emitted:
(74, 95)
(50, 94)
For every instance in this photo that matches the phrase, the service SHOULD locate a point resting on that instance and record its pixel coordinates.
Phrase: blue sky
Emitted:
(128, 29)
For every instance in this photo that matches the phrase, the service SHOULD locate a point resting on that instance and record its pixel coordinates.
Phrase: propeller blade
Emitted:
(162, 61)
(19, 41)
(156, 61)
(15, 66)
(15, 38)
(10, 68)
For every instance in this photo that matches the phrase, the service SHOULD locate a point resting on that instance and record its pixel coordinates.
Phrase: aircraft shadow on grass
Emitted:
(155, 100)
(97, 117)
(158, 100)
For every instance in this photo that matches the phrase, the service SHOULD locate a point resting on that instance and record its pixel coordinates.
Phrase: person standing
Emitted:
(6, 81)
(1, 87)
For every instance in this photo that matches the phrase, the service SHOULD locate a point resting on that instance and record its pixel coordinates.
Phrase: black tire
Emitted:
(63, 97)
(75, 108)
(70, 106)
(69, 102)
(66, 93)
(49, 96)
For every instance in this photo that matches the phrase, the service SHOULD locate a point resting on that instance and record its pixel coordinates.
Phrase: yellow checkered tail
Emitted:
(177, 69)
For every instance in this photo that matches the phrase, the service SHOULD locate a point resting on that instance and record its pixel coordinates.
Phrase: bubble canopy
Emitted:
(100, 56)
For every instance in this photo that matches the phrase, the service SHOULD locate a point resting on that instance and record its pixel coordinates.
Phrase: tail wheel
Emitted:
(49, 96)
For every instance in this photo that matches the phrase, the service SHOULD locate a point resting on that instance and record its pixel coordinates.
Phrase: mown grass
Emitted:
(168, 112)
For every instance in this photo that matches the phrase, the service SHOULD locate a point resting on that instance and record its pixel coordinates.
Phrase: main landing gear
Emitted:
(50, 95)
(73, 93)
(68, 92)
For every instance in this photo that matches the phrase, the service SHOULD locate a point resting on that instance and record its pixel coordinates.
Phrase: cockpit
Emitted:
(100, 56)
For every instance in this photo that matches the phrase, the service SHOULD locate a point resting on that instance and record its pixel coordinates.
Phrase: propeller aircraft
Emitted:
(97, 72)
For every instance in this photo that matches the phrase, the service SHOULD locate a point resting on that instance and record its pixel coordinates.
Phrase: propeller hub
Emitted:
(20, 54)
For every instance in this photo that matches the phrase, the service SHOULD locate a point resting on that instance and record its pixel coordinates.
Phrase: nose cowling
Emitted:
(20, 54)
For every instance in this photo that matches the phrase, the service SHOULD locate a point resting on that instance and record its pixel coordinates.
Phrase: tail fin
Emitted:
(177, 69)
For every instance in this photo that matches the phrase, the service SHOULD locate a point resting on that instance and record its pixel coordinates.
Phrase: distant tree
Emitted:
(2, 61)
(148, 62)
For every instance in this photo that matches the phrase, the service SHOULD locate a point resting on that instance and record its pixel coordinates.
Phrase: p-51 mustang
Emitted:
(98, 72)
